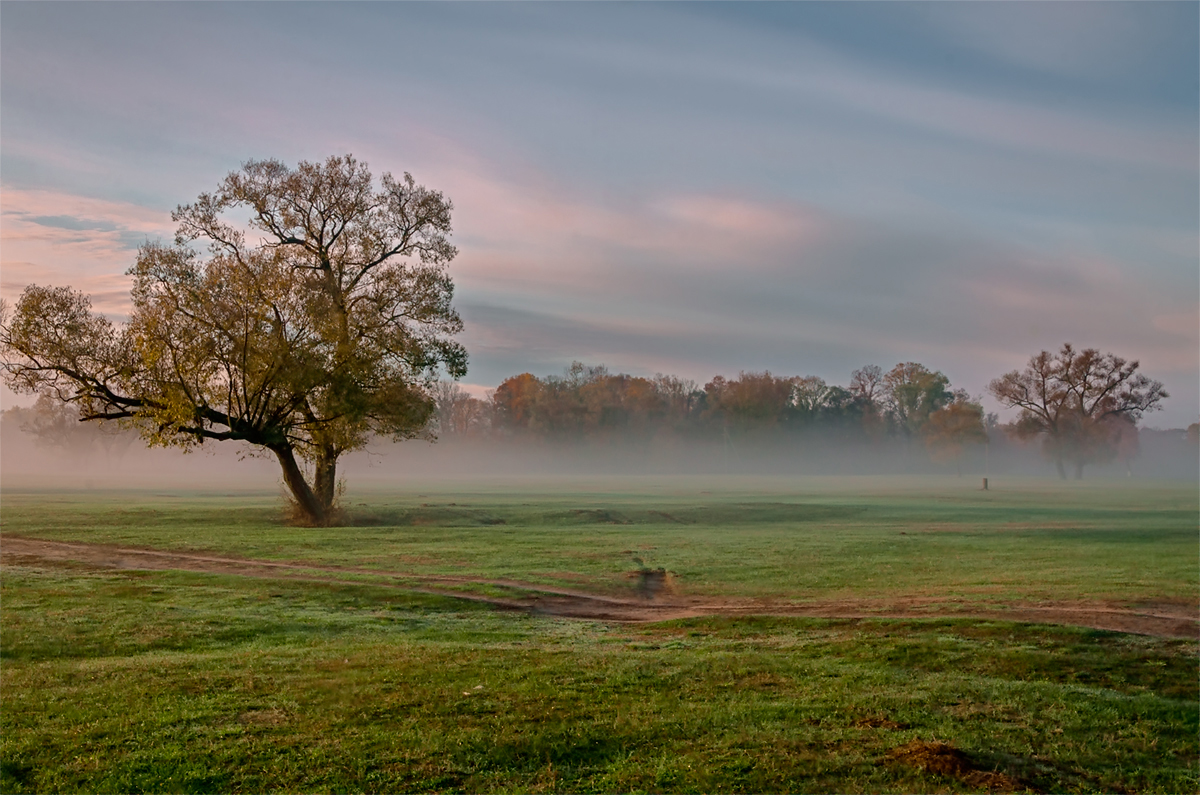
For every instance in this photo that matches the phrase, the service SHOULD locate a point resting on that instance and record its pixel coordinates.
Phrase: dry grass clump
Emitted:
(652, 583)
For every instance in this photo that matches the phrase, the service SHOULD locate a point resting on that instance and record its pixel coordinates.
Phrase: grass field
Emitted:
(122, 680)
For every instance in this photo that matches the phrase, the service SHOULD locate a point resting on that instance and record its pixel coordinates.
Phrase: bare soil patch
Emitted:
(648, 601)
(946, 760)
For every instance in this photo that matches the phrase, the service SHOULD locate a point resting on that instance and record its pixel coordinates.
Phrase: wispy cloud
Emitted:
(51, 237)
(1075, 39)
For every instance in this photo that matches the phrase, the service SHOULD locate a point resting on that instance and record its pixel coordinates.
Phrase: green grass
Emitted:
(125, 681)
(1029, 542)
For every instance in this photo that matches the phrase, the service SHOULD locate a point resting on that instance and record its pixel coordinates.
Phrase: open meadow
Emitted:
(860, 634)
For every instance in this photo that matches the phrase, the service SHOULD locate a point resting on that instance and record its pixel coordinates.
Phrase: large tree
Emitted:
(1079, 402)
(300, 310)
(912, 393)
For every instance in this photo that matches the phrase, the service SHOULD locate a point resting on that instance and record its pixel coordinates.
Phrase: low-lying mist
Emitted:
(110, 460)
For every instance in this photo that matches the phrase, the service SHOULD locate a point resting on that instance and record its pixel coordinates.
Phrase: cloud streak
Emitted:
(51, 237)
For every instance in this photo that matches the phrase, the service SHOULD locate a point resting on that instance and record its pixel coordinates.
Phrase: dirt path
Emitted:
(1164, 619)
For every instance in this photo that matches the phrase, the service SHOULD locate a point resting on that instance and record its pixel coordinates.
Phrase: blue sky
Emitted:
(684, 188)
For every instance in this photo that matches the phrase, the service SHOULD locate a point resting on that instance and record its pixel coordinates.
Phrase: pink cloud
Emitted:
(50, 237)
(1041, 303)
(530, 234)
(1184, 324)
(743, 219)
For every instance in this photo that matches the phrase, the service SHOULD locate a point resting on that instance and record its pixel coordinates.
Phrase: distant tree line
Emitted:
(1083, 406)
(59, 426)
(909, 403)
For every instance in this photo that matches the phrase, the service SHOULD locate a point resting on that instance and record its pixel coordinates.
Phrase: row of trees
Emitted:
(1082, 405)
(909, 402)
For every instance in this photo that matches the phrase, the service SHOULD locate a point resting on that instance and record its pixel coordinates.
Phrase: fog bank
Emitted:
(122, 461)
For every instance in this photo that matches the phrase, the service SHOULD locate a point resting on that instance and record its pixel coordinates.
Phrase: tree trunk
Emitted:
(1062, 470)
(325, 480)
(1079, 470)
(309, 504)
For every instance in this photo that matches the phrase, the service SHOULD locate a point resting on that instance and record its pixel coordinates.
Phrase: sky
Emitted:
(684, 188)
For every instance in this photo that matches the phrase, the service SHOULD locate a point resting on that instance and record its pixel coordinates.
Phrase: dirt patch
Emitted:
(945, 760)
(653, 596)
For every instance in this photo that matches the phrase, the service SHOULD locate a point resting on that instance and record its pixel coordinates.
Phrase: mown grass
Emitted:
(1030, 541)
(126, 681)
(137, 681)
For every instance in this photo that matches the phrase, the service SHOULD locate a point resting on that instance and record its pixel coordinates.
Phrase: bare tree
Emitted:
(866, 384)
(866, 390)
(1079, 402)
(458, 414)
(326, 322)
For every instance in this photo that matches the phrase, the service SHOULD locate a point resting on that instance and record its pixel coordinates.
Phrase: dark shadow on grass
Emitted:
(16, 776)
(570, 751)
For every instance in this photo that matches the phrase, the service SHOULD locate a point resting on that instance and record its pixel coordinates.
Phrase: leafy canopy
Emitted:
(297, 309)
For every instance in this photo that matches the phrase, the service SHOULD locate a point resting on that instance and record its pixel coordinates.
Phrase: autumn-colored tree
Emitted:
(679, 396)
(601, 398)
(588, 402)
(951, 428)
(621, 402)
(1078, 402)
(323, 323)
(753, 400)
(514, 400)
